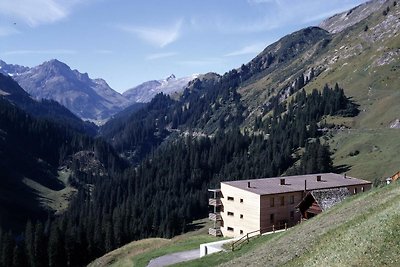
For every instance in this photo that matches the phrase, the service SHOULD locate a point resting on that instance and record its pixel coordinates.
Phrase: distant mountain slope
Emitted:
(281, 69)
(45, 109)
(146, 91)
(90, 99)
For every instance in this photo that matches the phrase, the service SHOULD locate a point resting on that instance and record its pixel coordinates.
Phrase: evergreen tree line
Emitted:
(168, 189)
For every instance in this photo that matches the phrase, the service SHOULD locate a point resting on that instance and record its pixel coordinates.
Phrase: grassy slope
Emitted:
(375, 87)
(378, 152)
(361, 231)
(139, 253)
(55, 200)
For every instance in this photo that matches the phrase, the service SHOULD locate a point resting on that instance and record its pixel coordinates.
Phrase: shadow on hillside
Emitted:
(341, 168)
(194, 226)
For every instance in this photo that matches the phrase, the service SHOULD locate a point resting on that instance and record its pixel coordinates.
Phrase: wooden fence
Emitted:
(246, 238)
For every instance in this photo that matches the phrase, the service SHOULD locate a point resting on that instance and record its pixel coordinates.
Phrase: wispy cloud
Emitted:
(36, 12)
(41, 52)
(5, 31)
(249, 49)
(160, 37)
(160, 55)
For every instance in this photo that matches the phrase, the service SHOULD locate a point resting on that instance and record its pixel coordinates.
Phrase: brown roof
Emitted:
(268, 186)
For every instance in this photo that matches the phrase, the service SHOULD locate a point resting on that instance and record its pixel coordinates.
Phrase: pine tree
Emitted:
(56, 251)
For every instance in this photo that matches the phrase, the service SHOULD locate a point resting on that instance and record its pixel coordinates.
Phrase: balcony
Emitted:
(215, 216)
(215, 231)
(214, 202)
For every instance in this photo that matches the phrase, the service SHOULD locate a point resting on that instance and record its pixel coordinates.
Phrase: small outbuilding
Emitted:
(317, 201)
(395, 176)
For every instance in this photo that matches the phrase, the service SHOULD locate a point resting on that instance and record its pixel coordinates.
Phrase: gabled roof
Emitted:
(317, 201)
(327, 198)
(267, 186)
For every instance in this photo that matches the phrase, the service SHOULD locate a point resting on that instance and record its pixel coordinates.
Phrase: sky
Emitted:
(127, 42)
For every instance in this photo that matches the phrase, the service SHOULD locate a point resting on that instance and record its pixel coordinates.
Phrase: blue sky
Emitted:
(127, 42)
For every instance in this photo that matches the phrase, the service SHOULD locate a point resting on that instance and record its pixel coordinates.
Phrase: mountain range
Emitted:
(90, 99)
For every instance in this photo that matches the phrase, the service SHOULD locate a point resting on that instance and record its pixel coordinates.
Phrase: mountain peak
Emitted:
(171, 77)
(90, 99)
(56, 62)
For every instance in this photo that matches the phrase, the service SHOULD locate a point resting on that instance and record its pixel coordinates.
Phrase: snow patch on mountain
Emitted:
(144, 92)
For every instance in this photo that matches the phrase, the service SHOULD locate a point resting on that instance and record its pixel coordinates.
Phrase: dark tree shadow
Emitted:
(194, 226)
(341, 168)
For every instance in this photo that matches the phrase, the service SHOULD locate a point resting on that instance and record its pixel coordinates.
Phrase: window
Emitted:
(292, 199)
(231, 198)
(282, 200)
(230, 229)
(272, 202)
(241, 216)
(230, 213)
(241, 200)
(271, 218)
(355, 190)
(241, 232)
(292, 215)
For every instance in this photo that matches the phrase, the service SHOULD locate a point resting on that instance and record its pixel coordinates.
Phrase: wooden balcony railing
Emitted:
(214, 202)
(215, 231)
(215, 216)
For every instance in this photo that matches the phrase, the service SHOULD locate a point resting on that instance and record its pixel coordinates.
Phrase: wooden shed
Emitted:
(317, 201)
(395, 176)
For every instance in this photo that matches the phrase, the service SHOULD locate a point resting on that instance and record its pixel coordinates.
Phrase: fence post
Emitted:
(247, 237)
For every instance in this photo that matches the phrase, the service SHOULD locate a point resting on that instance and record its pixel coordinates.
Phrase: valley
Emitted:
(86, 170)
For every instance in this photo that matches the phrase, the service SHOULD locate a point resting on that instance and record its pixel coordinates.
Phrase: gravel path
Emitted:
(174, 258)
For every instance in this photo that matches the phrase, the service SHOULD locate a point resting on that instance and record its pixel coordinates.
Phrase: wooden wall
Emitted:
(249, 208)
(281, 212)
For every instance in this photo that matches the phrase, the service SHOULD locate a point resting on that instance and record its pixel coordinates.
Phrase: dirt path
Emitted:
(174, 258)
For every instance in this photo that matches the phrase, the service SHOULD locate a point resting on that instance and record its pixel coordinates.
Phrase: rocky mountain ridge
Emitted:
(144, 92)
(90, 99)
(341, 21)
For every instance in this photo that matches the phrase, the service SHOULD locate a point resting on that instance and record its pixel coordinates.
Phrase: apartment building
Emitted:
(240, 207)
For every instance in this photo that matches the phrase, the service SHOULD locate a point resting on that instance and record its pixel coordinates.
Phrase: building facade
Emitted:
(240, 207)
